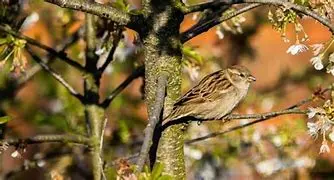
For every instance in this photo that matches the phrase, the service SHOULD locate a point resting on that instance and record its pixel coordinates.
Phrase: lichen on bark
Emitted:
(163, 53)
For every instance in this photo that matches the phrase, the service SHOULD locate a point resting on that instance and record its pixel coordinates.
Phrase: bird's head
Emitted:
(240, 76)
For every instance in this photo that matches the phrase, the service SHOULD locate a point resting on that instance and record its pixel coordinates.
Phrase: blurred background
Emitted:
(280, 148)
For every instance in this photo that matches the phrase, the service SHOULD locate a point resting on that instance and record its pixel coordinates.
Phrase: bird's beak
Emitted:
(251, 78)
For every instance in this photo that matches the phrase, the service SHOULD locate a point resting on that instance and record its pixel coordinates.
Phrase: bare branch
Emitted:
(50, 138)
(62, 55)
(153, 119)
(54, 74)
(49, 59)
(200, 28)
(203, 6)
(258, 118)
(116, 39)
(304, 10)
(135, 74)
(98, 9)
(237, 116)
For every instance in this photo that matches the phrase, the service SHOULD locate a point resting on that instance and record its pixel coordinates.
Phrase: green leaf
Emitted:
(121, 5)
(190, 53)
(165, 177)
(157, 170)
(3, 41)
(301, 2)
(5, 119)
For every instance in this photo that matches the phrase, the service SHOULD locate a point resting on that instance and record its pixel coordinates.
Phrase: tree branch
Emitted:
(54, 74)
(98, 9)
(304, 10)
(203, 6)
(200, 28)
(49, 59)
(62, 55)
(116, 37)
(258, 118)
(153, 119)
(135, 74)
(50, 138)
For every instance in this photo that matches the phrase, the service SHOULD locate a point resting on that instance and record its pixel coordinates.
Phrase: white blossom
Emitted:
(100, 51)
(324, 147)
(277, 140)
(268, 167)
(3, 146)
(313, 111)
(331, 58)
(304, 162)
(16, 154)
(195, 16)
(331, 136)
(297, 48)
(317, 48)
(330, 69)
(193, 72)
(313, 129)
(317, 63)
(220, 34)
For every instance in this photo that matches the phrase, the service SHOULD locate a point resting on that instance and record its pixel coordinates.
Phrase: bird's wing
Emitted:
(207, 90)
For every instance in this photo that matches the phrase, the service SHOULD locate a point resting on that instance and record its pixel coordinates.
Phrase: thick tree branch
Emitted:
(135, 74)
(54, 74)
(153, 119)
(257, 118)
(50, 138)
(61, 55)
(101, 10)
(304, 10)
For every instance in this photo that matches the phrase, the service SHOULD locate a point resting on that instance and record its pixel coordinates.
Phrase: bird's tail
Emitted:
(174, 115)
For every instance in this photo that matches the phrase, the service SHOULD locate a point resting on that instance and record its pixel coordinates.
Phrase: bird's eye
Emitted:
(242, 75)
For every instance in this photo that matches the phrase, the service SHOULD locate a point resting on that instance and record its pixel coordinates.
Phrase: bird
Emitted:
(215, 96)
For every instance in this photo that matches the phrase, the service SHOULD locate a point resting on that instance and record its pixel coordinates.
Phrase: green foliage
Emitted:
(5, 119)
(191, 55)
(121, 5)
(11, 50)
(124, 132)
(302, 2)
(156, 173)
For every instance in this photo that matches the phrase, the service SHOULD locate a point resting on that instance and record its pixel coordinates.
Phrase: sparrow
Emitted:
(215, 96)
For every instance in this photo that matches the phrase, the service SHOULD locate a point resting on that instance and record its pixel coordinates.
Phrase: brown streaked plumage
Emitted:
(215, 96)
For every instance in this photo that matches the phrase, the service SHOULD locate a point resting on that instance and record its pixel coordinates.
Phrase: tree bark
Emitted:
(162, 50)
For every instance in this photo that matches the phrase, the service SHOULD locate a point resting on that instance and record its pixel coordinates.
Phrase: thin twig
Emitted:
(49, 138)
(135, 74)
(258, 118)
(49, 59)
(54, 74)
(200, 28)
(116, 39)
(60, 54)
(262, 117)
(186, 36)
(153, 119)
(203, 6)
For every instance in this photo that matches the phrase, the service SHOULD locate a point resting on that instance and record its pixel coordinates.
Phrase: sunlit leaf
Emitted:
(5, 119)
(157, 170)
